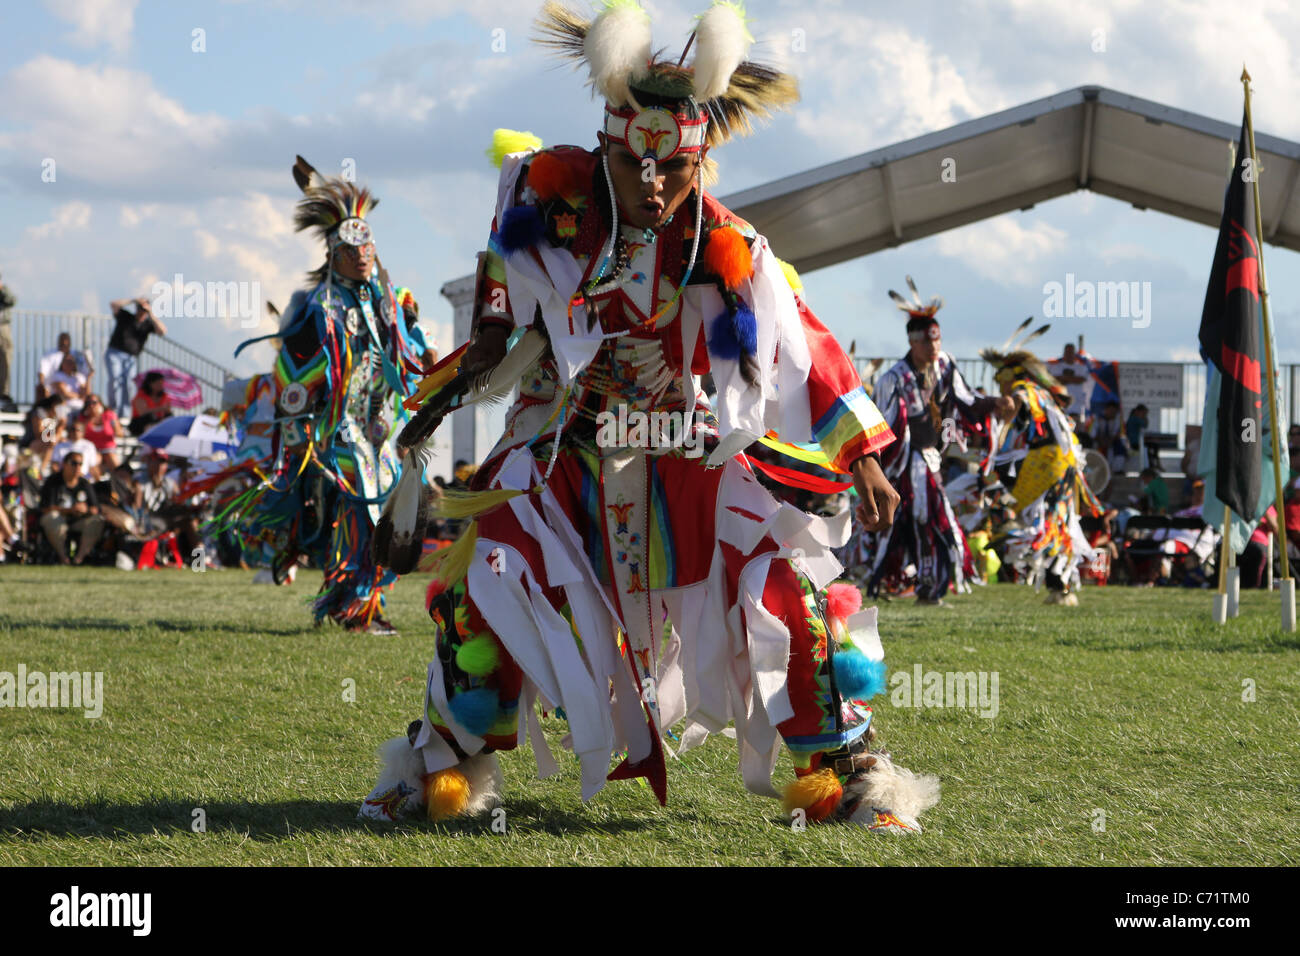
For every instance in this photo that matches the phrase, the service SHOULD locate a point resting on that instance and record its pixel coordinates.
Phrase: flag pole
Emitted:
(1287, 585)
(1225, 550)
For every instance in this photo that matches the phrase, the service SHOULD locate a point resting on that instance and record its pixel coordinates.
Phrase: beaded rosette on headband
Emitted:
(921, 323)
(655, 132)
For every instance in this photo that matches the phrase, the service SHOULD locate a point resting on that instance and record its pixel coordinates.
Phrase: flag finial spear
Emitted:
(1245, 77)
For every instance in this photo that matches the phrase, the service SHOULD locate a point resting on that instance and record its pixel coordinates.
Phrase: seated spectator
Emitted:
(8, 537)
(76, 441)
(53, 432)
(150, 405)
(1103, 538)
(68, 503)
(69, 386)
(1194, 504)
(1154, 499)
(116, 493)
(103, 429)
(1108, 436)
(1252, 560)
(156, 500)
(52, 362)
(10, 494)
(40, 425)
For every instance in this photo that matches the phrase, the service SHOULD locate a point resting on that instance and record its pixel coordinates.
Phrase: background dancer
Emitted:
(1038, 457)
(930, 407)
(326, 466)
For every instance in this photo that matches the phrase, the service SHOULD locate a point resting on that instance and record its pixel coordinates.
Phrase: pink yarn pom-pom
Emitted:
(842, 601)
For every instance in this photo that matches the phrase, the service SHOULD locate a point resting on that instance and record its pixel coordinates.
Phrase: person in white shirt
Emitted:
(1072, 371)
(77, 442)
(70, 386)
(51, 362)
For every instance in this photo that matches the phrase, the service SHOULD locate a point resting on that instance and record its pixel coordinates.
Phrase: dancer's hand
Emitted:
(877, 498)
(487, 350)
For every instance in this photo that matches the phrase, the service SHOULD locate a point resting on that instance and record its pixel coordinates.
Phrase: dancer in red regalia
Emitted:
(622, 563)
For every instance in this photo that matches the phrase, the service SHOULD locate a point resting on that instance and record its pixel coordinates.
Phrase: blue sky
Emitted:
(175, 161)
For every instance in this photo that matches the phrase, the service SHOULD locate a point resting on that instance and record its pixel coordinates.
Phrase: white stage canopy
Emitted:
(1141, 152)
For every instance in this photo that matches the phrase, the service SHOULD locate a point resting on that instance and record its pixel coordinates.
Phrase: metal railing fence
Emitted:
(1172, 420)
(36, 334)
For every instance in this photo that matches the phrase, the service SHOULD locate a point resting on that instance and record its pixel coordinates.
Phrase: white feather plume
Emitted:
(404, 503)
(887, 786)
(721, 44)
(617, 49)
(498, 383)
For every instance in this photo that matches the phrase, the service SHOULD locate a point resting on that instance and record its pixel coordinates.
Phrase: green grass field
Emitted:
(220, 695)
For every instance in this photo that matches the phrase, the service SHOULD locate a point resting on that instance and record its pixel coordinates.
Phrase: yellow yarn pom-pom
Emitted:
(446, 794)
(792, 277)
(507, 141)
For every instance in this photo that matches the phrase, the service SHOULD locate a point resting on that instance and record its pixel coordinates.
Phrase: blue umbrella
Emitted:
(189, 436)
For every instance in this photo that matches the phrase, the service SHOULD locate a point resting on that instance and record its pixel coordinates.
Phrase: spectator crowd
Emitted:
(76, 486)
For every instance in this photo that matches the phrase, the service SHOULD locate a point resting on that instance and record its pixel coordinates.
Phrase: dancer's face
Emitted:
(649, 193)
(354, 262)
(926, 351)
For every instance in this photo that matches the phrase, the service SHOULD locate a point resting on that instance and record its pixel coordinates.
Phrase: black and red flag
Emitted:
(1230, 333)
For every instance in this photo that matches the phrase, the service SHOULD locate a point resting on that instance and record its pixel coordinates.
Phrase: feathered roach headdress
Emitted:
(921, 322)
(335, 208)
(1013, 361)
(657, 107)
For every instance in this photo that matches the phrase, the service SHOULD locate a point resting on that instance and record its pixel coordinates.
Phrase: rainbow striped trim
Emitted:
(850, 428)
(311, 375)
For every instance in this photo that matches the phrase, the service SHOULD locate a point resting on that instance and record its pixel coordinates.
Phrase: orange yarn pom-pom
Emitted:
(551, 177)
(817, 794)
(727, 256)
(446, 793)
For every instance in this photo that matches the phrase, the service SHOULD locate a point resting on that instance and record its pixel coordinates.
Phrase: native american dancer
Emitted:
(643, 579)
(317, 459)
(928, 404)
(1039, 459)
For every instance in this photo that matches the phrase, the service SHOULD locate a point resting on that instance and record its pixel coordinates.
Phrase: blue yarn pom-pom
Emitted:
(521, 228)
(734, 333)
(746, 327)
(475, 710)
(858, 677)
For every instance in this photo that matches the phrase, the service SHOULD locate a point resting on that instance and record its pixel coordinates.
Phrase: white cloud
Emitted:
(400, 101)
(105, 125)
(893, 85)
(1001, 249)
(511, 15)
(70, 217)
(96, 22)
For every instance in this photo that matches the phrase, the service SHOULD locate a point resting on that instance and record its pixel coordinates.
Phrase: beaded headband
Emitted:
(655, 132)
